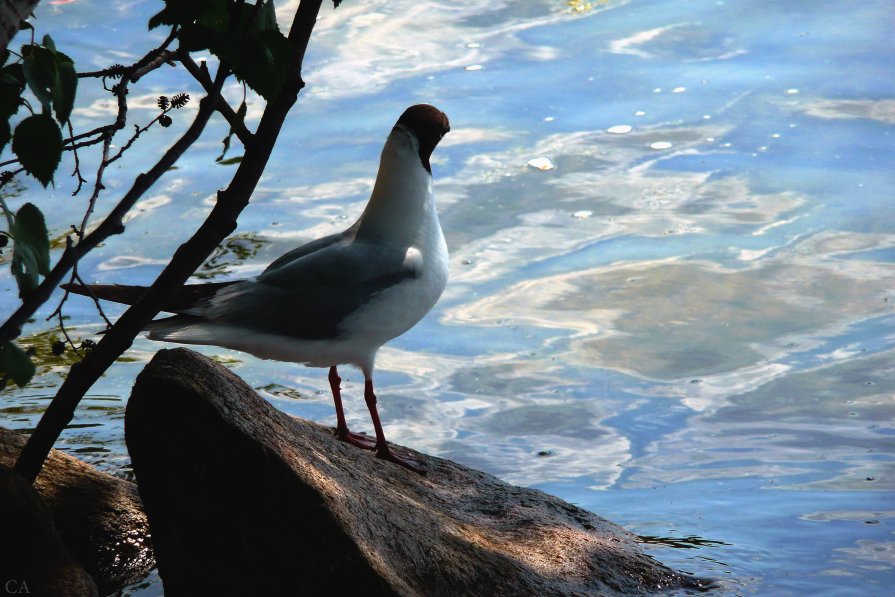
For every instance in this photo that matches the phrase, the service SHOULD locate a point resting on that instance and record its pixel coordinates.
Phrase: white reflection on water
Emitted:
(691, 42)
(882, 110)
(776, 437)
(500, 414)
(374, 44)
(866, 555)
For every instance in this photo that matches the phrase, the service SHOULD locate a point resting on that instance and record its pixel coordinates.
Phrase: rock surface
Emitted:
(99, 517)
(33, 558)
(244, 499)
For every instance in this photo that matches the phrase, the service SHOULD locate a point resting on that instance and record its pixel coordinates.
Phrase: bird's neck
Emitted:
(401, 202)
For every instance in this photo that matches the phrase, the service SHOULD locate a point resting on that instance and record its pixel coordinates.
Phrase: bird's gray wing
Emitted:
(312, 247)
(308, 296)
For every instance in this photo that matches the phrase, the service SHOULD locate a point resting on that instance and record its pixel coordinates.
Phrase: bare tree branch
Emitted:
(12, 14)
(220, 222)
(201, 75)
(112, 224)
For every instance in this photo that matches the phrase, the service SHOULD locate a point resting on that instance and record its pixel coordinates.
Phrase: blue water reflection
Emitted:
(672, 235)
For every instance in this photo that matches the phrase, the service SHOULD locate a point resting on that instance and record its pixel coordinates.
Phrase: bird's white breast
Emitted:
(398, 308)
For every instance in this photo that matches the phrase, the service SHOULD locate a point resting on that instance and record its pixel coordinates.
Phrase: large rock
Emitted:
(99, 517)
(33, 558)
(245, 500)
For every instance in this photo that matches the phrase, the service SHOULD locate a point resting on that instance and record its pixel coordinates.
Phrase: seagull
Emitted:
(335, 300)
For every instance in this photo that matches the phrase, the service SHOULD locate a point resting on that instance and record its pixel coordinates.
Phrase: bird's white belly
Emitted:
(398, 308)
(393, 311)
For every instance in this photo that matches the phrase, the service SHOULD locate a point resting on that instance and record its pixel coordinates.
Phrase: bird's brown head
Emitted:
(429, 125)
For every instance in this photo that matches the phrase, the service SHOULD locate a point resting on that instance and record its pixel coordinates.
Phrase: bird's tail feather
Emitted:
(117, 293)
(180, 300)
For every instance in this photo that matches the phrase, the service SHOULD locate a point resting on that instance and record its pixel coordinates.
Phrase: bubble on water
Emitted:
(678, 90)
(473, 44)
(792, 91)
(657, 90)
(620, 129)
(660, 145)
(639, 113)
(473, 67)
(583, 214)
(775, 136)
(541, 163)
(549, 119)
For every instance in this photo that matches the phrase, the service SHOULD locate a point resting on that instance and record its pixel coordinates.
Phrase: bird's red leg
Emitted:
(361, 441)
(382, 449)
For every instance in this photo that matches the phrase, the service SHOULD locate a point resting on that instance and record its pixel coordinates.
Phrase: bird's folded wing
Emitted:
(313, 246)
(308, 297)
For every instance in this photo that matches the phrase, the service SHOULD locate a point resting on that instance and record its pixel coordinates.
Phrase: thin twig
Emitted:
(57, 312)
(77, 277)
(97, 131)
(137, 132)
(77, 170)
(98, 186)
(67, 337)
(201, 75)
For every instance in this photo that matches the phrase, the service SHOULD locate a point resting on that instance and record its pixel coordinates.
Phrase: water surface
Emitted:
(672, 238)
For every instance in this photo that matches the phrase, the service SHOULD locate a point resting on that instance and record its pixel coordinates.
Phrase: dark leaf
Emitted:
(12, 84)
(64, 90)
(259, 59)
(16, 364)
(181, 12)
(267, 18)
(49, 44)
(4, 56)
(195, 38)
(31, 227)
(37, 143)
(217, 17)
(5, 133)
(13, 74)
(230, 161)
(336, 3)
(40, 73)
(164, 120)
(31, 248)
(163, 102)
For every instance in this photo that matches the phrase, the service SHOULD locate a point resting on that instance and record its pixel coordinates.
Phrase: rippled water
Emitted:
(672, 237)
